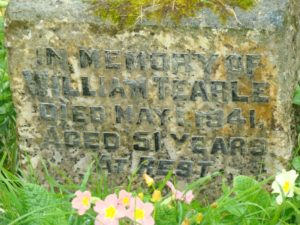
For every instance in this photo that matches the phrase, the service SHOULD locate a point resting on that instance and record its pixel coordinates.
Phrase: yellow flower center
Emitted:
(141, 195)
(86, 201)
(125, 201)
(139, 214)
(286, 187)
(199, 217)
(110, 212)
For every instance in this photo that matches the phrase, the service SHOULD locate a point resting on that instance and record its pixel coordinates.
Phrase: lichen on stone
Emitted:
(128, 13)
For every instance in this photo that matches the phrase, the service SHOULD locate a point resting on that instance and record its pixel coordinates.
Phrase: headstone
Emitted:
(194, 98)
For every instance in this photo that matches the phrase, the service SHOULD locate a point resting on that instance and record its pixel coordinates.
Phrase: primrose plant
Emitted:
(125, 206)
(178, 207)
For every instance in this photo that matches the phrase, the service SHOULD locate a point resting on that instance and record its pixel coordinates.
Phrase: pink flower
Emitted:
(124, 198)
(189, 197)
(140, 212)
(82, 202)
(186, 197)
(109, 211)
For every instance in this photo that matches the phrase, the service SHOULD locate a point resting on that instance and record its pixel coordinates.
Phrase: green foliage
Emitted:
(296, 99)
(7, 112)
(255, 194)
(45, 205)
(25, 203)
(165, 215)
(247, 202)
(3, 4)
(296, 163)
(127, 13)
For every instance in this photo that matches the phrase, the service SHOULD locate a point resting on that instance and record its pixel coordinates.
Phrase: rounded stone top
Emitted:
(267, 15)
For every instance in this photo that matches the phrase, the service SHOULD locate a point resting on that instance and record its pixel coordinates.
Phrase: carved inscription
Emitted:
(165, 110)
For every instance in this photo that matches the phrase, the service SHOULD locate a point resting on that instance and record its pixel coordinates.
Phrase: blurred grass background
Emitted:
(8, 134)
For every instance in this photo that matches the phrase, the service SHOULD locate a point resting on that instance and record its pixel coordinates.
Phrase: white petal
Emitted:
(293, 175)
(281, 178)
(276, 187)
(291, 192)
(279, 199)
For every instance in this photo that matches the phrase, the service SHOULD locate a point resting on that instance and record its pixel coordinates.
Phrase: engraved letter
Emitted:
(37, 82)
(110, 56)
(145, 112)
(258, 146)
(237, 145)
(87, 58)
(68, 91)
(98, 114)
(181, 60)
(218, 91)
(253, 62)
(258, 90)
(207, 62)
(86, 87)
(178, 90)
(116, 88)
(219, 145)
(199, 91)
(146, 165)
(48, 111)
(184, 169)
(235, 96)
(162, 115)
(72, 139)
(111, 141)
(120, 114)
(131, 60)
(180, 140)
(204, 169)
(161, 86)
(91, 140)
(137, 88)
(198, 145)
(143, 139)
(164, 167)
(163, 65)
(234, 64)
(79, 113)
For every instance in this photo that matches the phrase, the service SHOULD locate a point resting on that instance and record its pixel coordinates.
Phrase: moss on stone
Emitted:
(127, 13)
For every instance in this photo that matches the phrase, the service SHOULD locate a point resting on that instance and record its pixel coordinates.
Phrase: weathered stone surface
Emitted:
(198, 98)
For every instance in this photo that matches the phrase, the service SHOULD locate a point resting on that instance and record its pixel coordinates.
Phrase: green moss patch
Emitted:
(128, 13)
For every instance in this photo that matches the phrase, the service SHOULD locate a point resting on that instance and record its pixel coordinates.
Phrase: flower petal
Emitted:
(279, 199)
(99, 207)
(189, 197)
(111, 199)
(171, 186)
(148, 221)
(276, 187)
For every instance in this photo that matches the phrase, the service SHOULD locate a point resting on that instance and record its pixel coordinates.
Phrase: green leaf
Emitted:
(296, 99)
(3, 4)
(296, 163)
(36, 197)
(248, 189)
(235, 209)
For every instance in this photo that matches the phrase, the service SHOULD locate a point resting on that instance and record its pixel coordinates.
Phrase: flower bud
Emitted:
(156, 196)
(149, 180)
